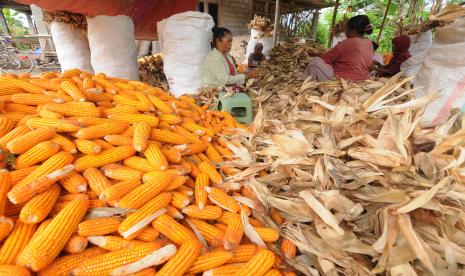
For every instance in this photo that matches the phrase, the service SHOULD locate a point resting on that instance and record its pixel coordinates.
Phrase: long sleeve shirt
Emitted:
(216, 71)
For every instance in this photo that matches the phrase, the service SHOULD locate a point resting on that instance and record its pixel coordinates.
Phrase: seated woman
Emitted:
(400, 47)
(350, 59)
(257, 57)
(220, 68)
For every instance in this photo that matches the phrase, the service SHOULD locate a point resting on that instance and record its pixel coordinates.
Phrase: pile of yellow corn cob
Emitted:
(113, 177)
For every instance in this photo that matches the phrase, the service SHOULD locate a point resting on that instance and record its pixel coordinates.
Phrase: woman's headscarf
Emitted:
(400, 47)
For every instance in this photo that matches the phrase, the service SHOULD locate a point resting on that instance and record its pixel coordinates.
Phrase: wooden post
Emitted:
(384, 21)
(314, 27)
(276, 23)
(3, 22)
(333, 22)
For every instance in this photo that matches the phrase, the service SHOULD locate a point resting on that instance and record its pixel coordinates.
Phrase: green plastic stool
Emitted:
(239, 105)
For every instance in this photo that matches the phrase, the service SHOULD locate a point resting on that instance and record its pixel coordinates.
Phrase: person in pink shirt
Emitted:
(350, 59)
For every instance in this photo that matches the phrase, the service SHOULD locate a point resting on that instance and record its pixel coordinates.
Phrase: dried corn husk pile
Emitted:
(262, 25)
(363, 189)
(77, 21)
(151, 70)
(106, 176)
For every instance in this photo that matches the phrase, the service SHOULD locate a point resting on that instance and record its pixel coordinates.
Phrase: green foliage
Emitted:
(15, 25)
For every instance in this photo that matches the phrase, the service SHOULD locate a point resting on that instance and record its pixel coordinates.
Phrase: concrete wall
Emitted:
(235, 14)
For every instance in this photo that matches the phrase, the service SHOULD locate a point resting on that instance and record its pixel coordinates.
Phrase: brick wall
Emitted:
(235, 14)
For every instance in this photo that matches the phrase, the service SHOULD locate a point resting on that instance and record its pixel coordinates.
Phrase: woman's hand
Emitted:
(252, 74)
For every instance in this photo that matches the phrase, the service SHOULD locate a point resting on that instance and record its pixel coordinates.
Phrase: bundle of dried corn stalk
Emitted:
(262, 25)
(151, 70)
(361, 187)
(446, 16)
(77, 21)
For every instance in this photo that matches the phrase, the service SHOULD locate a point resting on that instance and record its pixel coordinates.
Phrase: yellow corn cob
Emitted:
(76, 244)
(210, 212)
(8, 89)
(156, 157)
(11, 107)
(92, 121)
(73, 91)
(173, 212)
(267, 234)
(170, 119)
(70, 73)
(6, 125)
(43, 225)
(22, 143)
(177, 182)
(129, 132)
(14, 270)
(224, 270)
(210, 260)
(144, 193)
(74, 183)
(143, 99)
(96, 95)
(58, 125)
(155, 175)
(62, 266)
(288, 249)
(148, 234)
(65, 143)
(49, 114)
(64, 200)
(172, 155)
(115, 192)
(33, 99)
(139, 163)
(213, 154)
(173, 230)
(6, 226)
(106, 157)
(87, 146)
(113, 243)
(78, 81)
(160, 105)
(118, 140)
(105, 263)
(222, 199)
(234, 232)
(98, 226)
(16, 116)
(184, 132)
(141, 135)
(193, 149)
(99, 131)
(183, 260)
(97, 203)
(107, 85)
(167, 136)
(23, 192)
(145, 272)
(212, 234)
(259, 264)
(192, 127)
(48, 85)
(5, 183)
(40, 252)
(121, 173)
(200, 194)
(38, 208)
(81, 109)
(203, 157)
(87, 83)
(36, 154)
(104, 144)
(121, 109)
(23, 84)
(96, 180)
(273, 272)
(179, 200)
(13, 210)
(212, 173)
(121, 99)
(18, 175)
(134, 118)
(243, 253)
(16, 242)
(133, 223)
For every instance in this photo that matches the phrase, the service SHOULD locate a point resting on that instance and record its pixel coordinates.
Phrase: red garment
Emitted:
(232, 69)
(400, 47)
(351, 58)
(144, 13)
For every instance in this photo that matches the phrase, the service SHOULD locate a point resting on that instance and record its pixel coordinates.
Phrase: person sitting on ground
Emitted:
(376, 57)
(257, 57)
(400, 53)
(220, 67)
(350, 59)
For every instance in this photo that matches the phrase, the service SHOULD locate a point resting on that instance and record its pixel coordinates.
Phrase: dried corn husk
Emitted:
(76, 20)
(262, 25)
(151, 70)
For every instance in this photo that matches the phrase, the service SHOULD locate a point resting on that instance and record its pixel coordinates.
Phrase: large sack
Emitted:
(443, 72)
(113, 47)
(72, 47)
(254, 39)
(156, 47)
(185, 42)
(419, 48)
(338, 38)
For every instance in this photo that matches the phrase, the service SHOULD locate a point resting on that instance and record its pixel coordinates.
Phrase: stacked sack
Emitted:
(105, 176)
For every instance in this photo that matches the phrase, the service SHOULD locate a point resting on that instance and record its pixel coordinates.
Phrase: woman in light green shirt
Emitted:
(220, 68)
